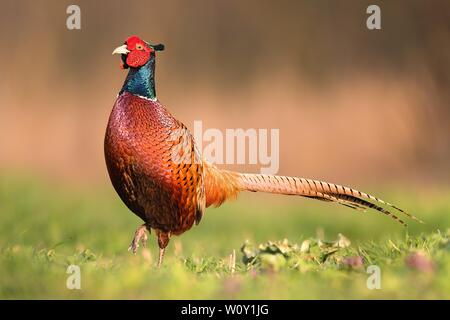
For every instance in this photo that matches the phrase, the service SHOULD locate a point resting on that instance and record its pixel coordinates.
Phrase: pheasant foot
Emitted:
(139, 236)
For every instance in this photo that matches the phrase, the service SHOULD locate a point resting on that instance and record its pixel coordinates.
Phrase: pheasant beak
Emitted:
(121, 50)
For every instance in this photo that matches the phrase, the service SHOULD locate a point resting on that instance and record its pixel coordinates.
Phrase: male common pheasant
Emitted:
(159, 174)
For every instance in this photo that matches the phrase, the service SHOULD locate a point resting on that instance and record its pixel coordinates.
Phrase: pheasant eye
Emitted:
(139, 46)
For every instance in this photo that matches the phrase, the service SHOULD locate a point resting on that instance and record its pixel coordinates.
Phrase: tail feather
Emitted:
(317, 190)
(347, 204)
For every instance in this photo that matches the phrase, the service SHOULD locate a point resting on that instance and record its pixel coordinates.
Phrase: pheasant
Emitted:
(158, 172)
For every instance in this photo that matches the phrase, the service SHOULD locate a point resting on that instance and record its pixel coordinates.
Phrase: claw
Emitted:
(139, 236)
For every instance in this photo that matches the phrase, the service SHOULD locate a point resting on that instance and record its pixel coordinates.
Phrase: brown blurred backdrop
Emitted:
(351, 104)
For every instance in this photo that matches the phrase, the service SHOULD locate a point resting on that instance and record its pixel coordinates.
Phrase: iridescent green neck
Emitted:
(141, 81)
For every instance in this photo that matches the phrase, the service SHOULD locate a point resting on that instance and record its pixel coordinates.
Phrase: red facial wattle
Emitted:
(139, 52)
(137, 58)
(136, 53)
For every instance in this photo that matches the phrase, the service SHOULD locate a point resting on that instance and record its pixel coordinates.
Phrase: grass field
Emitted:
(45, 227)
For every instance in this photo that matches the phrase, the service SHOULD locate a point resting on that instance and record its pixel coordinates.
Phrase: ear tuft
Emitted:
(158, 47)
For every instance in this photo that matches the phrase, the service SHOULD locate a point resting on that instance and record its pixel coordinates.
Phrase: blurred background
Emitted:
(352, 105)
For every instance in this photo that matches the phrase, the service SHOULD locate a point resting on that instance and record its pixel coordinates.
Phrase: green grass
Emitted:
(45, 227)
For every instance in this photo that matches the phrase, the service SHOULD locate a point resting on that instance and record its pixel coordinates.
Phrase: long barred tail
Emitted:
(317, 190)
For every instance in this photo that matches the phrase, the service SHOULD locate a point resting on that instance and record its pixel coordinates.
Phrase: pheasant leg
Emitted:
(163, 241)
(139, 236)
(161, 256)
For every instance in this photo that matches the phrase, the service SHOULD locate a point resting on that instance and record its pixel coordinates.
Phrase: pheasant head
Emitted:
(139, 56)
